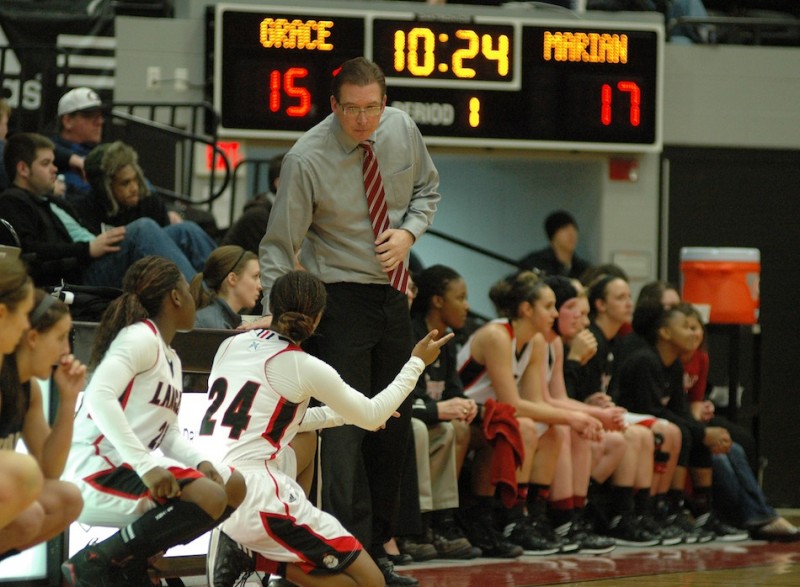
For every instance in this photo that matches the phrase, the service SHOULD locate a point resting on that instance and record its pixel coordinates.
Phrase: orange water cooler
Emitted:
(725, 278)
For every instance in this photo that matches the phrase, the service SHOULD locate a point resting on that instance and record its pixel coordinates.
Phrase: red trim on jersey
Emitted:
(124, 482)
(120, 481)
(126, 395)
(471, 371)
(283, 414)
(267, 334)
(314, 550)
(151, 326)
(647, 423)
(285, 411)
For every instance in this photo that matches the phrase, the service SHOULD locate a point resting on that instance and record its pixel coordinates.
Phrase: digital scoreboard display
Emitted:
(502, 80)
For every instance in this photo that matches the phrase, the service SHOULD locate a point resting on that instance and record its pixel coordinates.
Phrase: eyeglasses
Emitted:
(354, 111)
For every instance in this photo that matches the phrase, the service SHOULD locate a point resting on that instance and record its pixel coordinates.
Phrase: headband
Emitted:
(41, 309)
(229, 271)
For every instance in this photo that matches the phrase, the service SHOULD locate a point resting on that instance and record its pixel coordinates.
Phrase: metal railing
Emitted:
(739, 29)
(201, 116)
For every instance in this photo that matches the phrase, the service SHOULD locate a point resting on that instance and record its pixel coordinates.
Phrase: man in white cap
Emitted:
(80, 129)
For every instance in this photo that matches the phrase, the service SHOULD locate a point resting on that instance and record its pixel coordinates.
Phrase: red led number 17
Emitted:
(280, 84)
(627, 87)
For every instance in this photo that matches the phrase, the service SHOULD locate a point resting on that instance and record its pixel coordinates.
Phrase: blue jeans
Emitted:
(195, 242)
(737, 495)
(143, 237)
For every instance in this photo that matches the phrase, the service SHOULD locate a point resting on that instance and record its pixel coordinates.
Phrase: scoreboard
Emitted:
(500, 78)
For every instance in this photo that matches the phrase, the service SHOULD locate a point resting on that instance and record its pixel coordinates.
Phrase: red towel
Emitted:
(501, 428)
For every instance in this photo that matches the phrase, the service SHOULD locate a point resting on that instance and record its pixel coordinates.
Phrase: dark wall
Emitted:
(751, 198)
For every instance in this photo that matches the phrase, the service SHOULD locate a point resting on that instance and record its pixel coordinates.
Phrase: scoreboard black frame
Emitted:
(501, 78)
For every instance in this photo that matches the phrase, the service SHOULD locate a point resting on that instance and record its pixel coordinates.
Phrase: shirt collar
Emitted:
(347, 142)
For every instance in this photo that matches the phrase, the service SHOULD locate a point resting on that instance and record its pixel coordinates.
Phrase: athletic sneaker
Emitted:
(694, 534)
(89, 568)
(581, 532)
(711, 523)
(539, 521)
(135, 574)
(627, 531)
(668, 534)
(227, 561)
(523, 533)
(481, 533)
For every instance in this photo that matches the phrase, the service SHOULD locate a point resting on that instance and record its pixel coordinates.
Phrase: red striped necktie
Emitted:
(378, 212)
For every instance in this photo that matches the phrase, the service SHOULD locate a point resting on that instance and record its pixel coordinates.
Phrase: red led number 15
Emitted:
(635, 96)
(284, 84)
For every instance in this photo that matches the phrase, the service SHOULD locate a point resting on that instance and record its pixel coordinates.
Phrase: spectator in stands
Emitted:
(5, 114)
(120, 195)
(441, 416)
(740, 499)
(498, 364)
(80, 129)
(135, 469)
(43, 351)
(559, 258)
(228, 284)
(49, 228)
(650, 381)
(289, 536)
(249, 228)
(685, 34)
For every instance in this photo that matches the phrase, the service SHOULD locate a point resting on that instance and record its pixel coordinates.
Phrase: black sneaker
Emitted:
(135, 573)
(227, 561)
(627, 531)
(392, 578)
(525, 534)
(276, 582)
(89, 568)
(540, 522)
(711, 523)
(581, 532)
(693, 533)
(668, 534)
(450, 543)
(482, 535)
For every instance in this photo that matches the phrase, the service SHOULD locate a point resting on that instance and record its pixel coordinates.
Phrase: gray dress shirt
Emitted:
(321, 206)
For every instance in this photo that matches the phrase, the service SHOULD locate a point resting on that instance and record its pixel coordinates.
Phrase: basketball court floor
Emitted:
(740, 564)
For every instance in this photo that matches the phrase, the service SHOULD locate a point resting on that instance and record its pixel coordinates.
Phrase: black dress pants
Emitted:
(365, 334)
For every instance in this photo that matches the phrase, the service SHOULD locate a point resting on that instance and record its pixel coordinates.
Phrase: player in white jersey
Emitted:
(129, 410)
(261, 384)
(497, 362)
